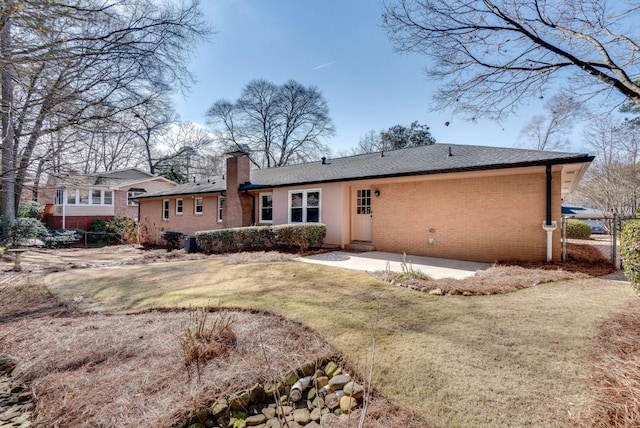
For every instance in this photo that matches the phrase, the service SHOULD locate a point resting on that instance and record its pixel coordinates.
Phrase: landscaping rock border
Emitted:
(316, 394)
(16, 402)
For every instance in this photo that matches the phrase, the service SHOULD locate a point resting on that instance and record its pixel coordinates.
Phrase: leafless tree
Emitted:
(368, 143)
(613, 179)
(277, 124)
(489, 56)
(550, 131)
(182, 148)
(72, 62)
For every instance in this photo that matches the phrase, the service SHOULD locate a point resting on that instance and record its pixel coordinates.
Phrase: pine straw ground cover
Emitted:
(584, 261)
(97, 370)
(615, 361)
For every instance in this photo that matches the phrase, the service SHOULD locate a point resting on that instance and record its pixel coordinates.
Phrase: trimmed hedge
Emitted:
(172, 239)
(630, 252)
(302, 236)
(234, 239)
(578, 229)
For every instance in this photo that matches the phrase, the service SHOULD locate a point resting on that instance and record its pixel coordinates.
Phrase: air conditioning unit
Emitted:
(57, 210)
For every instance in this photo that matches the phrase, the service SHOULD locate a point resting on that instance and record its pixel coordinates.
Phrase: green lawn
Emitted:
(517, 359)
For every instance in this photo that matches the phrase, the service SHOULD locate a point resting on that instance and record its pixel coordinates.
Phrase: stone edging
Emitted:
(16, 404)
(317, 394)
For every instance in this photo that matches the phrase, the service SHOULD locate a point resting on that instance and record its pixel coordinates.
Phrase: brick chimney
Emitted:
(237, 205)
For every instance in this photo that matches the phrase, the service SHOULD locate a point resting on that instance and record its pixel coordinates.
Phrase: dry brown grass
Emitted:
(95, 370)
(495, 280)
(615, 363)
(516, 359)
(257, 257)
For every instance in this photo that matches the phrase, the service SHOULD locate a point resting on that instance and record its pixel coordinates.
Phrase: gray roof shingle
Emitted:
(432, 159)
(218, 184)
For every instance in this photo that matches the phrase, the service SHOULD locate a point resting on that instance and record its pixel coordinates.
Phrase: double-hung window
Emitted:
(96, 197)
(165, 209)
(266, 207)
(220, 208)
(304, 206)
(179, 207)
(59, 196)
(71, 196)
(198, 206)
(108, 197)
(84, 196)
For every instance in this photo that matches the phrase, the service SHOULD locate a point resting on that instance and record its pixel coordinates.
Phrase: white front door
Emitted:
(362, 216)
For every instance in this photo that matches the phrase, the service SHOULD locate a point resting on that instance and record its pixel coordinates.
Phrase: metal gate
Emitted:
(606, 241)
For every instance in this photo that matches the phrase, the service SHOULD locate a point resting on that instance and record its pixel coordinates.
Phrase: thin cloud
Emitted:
(324, 65)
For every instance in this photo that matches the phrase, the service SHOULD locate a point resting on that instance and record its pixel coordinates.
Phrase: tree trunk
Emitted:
(7, 201)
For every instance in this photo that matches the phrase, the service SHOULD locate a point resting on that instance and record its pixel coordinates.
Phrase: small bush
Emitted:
(24, 228)
(302, 236)
(125, 228)
(114, 231)
(61, 238)
(30, 209)
(578, 229)
(201, 341)
(630, 253)
(171, 239)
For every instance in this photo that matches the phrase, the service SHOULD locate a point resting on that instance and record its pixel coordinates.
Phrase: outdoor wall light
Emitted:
(376, 192)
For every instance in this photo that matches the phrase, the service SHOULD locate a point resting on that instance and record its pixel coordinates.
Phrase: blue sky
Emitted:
(337, 46)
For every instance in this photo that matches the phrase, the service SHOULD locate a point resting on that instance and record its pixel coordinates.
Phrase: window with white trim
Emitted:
(96, 197)
(198, 206)
(132, 194)
(304, 206)
(71, 196)
(266, 207)
(178, 206)
(165, 209)
(108, 197)
(84, 196)
(220, 208)
(59, 196)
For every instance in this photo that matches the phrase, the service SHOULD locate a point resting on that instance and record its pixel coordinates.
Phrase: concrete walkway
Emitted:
(376, 260)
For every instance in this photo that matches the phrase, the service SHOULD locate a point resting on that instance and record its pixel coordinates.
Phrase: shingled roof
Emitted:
(217, 184)
(432, 159)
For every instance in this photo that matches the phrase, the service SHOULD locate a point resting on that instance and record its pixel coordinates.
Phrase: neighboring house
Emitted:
(74, 201)
(452, 201)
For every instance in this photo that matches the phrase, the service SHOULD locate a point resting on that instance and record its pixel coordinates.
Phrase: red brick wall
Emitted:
(237, 205)
(480, 219)
(74, 222)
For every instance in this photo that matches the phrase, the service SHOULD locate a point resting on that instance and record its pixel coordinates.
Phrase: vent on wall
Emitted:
(57, 210)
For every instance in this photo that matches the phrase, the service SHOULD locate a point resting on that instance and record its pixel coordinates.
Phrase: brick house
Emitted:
(452, 201)
(74, 201)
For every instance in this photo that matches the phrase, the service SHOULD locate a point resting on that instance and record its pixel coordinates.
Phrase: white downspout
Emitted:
(549, 228)
(64, 206)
